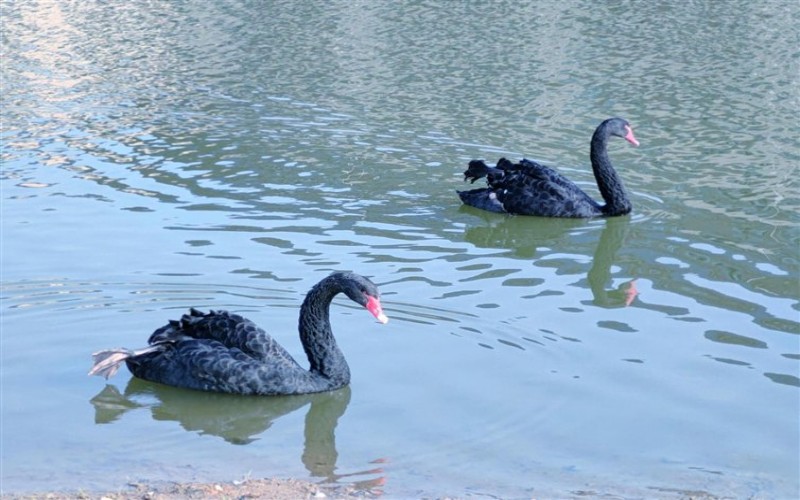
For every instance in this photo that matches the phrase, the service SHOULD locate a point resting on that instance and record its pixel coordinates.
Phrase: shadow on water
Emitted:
(241, 420)
(525, 237)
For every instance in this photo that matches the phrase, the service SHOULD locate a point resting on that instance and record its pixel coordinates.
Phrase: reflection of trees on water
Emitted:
(240, 420)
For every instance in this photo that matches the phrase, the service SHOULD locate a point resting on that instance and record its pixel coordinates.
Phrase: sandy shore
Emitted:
(293, 489)
(274, 489)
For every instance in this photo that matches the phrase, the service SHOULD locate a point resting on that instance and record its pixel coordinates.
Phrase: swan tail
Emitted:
(108, 361)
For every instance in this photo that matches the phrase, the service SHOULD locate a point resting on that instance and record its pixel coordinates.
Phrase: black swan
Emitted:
(224, 352)
(529, 188)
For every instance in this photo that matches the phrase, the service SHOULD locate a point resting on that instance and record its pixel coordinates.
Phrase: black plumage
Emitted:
(224, 352)
(530, 188)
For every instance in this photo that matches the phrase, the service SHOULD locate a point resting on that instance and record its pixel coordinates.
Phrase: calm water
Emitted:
(159, 155)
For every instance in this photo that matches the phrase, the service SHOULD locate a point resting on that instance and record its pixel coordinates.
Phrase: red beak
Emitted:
(374, 307)
(629, 136)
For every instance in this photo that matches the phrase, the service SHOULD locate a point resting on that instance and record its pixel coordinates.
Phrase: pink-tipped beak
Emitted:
(374, 307)
(631, 293)
(629, 136)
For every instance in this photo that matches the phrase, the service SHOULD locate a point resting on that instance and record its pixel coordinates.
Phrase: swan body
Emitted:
(223, 352)
(530, 188)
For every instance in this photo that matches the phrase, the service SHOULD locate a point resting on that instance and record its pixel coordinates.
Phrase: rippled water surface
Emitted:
(159, 155)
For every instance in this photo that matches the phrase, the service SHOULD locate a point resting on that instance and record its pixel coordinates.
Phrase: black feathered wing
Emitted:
(230, 330)
(530, 188)
(221, 352)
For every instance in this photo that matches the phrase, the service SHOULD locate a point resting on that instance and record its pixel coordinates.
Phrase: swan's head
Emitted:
(621, 128)
(363, 292)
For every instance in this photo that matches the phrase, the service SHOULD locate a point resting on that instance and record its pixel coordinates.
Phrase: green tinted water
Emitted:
(163, 155)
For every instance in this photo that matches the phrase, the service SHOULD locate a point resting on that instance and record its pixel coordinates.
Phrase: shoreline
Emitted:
(274, 489)
(297, 489)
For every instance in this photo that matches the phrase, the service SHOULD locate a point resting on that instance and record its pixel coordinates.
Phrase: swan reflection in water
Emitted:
(611, 240)
(240, 420)
(525, 235)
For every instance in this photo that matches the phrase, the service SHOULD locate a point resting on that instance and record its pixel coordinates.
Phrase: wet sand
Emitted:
(274, 489)
(293, 489)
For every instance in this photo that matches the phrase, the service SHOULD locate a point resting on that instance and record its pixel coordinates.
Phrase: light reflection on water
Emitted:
(164, 157)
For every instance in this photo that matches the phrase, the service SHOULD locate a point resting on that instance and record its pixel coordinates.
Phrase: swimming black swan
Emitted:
(529, 188)
(225, 352)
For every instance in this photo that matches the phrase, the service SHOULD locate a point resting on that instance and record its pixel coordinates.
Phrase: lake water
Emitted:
(159, 155)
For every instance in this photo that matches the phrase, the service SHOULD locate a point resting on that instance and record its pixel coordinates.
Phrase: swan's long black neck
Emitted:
(611, 188)
(324, 355)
